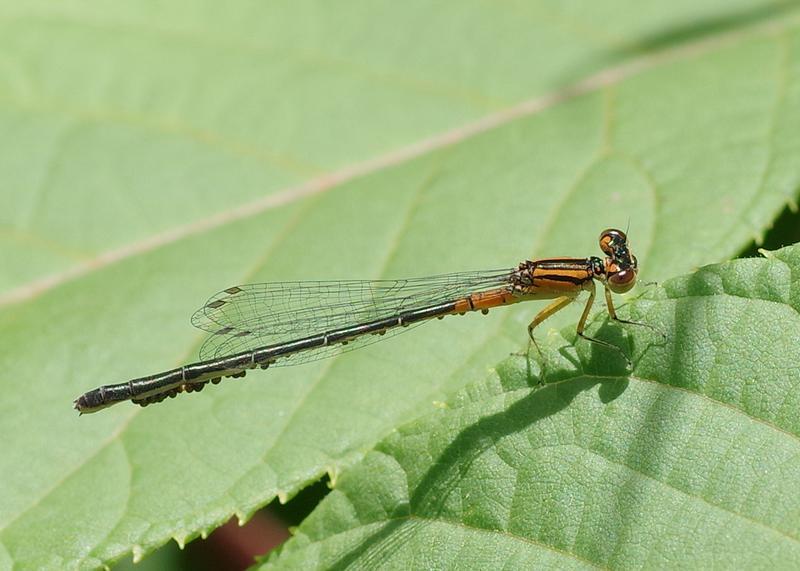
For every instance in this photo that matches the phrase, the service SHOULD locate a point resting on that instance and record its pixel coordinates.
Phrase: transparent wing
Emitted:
(247, 317)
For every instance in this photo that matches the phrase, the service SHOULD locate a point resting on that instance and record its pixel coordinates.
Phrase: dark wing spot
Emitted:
(217, 303)
(224, 331)
(242, 334)
(233, 290)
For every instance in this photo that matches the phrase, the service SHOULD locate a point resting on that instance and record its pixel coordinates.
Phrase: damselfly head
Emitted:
(620, 266)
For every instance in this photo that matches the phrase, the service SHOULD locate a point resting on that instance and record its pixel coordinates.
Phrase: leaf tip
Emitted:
(138, 553)
(333, 474)
(181, 537)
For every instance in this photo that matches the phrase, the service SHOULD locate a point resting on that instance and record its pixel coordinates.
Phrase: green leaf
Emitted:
(150, 161)
(691, 462)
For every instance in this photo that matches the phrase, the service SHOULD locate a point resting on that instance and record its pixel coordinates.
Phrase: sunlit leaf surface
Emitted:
(154, 154)
(688, 463)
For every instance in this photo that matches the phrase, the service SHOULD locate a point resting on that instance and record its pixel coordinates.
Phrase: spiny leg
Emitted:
(556, 306)
(585, 315)
(613, 314)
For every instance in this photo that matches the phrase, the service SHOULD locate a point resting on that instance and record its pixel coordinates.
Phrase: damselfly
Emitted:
(288, 323)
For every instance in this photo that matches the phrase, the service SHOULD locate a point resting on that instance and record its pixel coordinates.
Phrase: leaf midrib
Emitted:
(595, 82)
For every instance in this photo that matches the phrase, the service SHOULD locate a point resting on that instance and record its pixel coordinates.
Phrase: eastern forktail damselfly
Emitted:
(288, 323)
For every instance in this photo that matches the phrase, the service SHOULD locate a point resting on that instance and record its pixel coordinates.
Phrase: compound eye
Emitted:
(622, 281)
(612, 239)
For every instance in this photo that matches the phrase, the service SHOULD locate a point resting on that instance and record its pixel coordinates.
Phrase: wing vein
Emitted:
(251, 316)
